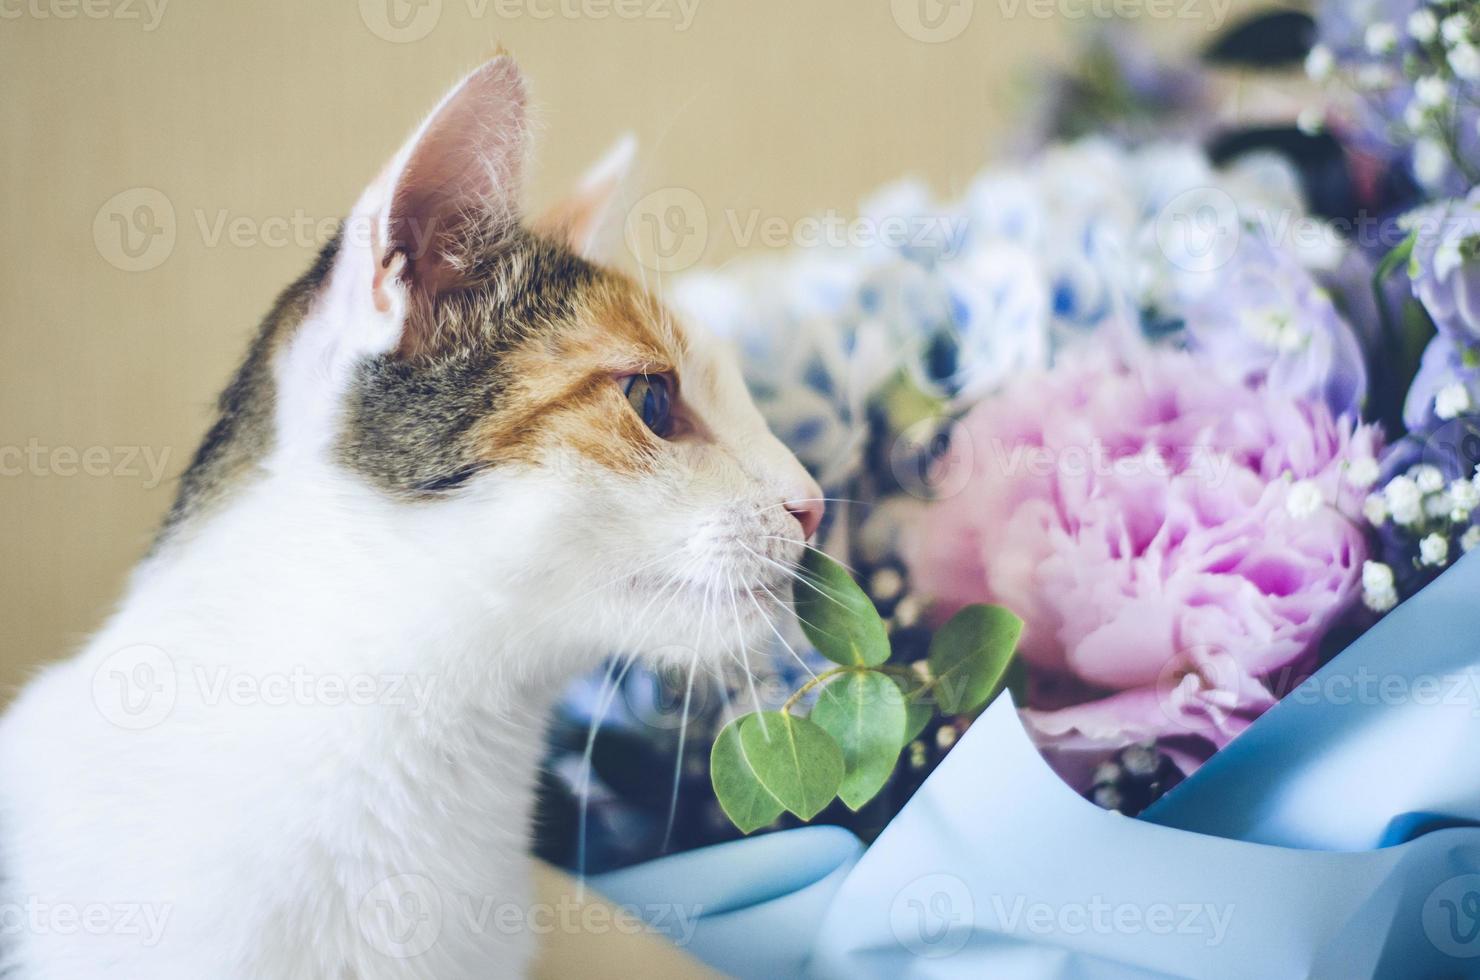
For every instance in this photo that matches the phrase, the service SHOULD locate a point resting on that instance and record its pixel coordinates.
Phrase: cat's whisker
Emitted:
(805, 666)
(809, 581)
(809, 547)
(683, 731)
(744, 650)
(584, 791)
(800, 618)
(605, 697)
(565, 605)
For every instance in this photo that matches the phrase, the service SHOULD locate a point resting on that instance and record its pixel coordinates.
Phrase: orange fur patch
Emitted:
(564, 391)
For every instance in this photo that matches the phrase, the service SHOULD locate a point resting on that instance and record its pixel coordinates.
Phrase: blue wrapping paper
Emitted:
(1378, 746)
(752, 905)
(1338, 837)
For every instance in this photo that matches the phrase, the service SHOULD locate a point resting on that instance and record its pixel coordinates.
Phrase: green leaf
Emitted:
(740, 793)
(864, 712)
(1401, 253)
(969, 655)
(795, 760)
(919, 706)
(837, 615)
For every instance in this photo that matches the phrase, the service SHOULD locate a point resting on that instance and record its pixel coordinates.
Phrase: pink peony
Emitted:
(1172, 541)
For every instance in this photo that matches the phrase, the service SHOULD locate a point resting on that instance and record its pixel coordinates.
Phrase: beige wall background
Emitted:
(169, 165)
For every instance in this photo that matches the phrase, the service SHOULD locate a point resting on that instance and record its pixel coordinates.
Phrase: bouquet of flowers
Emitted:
(1197, 435)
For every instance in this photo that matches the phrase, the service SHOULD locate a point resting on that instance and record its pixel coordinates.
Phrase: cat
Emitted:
(461, 463)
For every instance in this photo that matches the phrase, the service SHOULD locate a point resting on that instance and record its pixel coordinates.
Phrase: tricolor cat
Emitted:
(461, 462)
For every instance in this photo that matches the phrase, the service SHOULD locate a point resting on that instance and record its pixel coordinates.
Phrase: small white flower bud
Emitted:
(1320, 62)
(1452, 401)
(1381, 38)
(1304, 498)
(1433, 549)
(1376, 577)
(1362, 472)
(1423, 26)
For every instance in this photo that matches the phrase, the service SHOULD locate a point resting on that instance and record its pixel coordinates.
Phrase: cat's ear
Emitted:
(449, 193)
(583, 219)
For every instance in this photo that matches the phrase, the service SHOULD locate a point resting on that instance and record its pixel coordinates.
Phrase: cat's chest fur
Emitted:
(336, 781)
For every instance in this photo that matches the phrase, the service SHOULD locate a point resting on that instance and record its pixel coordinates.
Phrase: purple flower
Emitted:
(1262, 319)
(1445, 267)
(1446, 386)
(1412, 74)
(1171, 539)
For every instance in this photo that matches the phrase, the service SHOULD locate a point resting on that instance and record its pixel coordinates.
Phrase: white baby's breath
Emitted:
(1376, 576)
(1320, 62)
(1465, 60)
(1470, 538)
(1375, 509)
(1437, 506)
(1381, 37)
(1423, 26)
(1378, 592)
(1428, 478)
(1454, 29)
(1464, 497)
(1452, 401)
(1430, 162)
(1432, 91)
(1304, 499)
(1433, 550)
(1404, 500)
(1362, 472)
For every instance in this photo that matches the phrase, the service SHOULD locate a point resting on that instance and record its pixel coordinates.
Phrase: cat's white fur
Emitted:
(305, 745)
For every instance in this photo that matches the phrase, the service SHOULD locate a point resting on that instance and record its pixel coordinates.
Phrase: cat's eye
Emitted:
(651, 397)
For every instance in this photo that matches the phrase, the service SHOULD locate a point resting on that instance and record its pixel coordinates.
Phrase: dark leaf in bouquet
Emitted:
(837, 615)
(1277, 39)
(919, 705)
(1318, 158)
(864, 712)
(795, 760)
(969, 655)
(745, 801)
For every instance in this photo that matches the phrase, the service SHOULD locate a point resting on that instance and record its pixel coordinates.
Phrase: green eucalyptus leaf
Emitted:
(837, 615)
(864, 712)
(969, 655)
(919, 705)
(745, 801)
(795, 760)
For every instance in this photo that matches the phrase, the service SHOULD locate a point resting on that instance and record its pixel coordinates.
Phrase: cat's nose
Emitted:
(808, 512)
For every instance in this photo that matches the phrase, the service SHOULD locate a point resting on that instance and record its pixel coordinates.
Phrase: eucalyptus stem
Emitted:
(817, 681)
